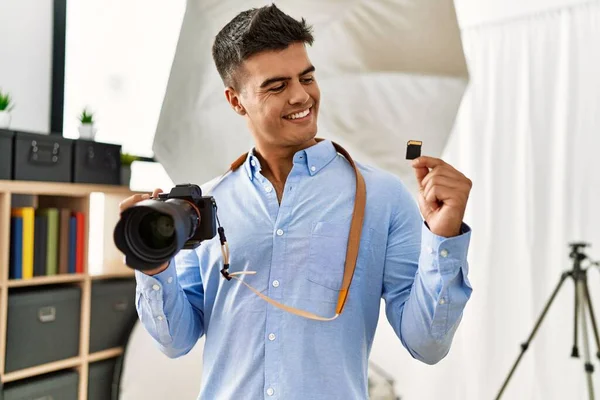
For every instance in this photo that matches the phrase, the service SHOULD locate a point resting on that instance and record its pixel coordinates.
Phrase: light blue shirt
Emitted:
(254, 350)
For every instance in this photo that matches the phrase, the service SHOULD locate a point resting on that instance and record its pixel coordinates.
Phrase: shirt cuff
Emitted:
(155, 286)
(448, 254)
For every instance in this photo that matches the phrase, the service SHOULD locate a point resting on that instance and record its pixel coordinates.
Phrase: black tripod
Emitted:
(582, 303)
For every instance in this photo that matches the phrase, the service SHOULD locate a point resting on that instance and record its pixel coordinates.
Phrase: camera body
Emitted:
(206, 227)
(151, 232)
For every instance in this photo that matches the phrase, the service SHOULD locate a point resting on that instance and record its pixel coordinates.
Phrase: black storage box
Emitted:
(113, 313)
(42, 157)
(62, 385)
(6, 154)
(100, 379)
(43, 326)
(95, 162)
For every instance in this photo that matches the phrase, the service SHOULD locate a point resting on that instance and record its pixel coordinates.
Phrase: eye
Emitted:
(277, 88)
(308, 80)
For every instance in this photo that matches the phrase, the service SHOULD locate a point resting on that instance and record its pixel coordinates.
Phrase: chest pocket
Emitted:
(327, 254)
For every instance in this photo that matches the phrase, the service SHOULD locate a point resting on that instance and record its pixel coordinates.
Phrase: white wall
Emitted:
(26, 61)
(478, 12)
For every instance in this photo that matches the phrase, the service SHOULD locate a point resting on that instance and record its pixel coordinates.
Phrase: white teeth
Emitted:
(298, 115)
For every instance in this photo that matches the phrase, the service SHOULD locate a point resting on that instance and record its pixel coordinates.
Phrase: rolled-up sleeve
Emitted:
(426, 284)
(170, 304)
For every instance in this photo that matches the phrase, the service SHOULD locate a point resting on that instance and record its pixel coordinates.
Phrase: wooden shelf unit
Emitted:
(46, 280)
(42, 369)
(102, 260)
(105, 354)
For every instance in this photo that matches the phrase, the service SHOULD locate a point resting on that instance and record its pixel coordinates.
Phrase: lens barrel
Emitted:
(151, 232)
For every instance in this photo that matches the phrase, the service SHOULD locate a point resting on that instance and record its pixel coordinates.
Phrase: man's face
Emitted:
(279, 97)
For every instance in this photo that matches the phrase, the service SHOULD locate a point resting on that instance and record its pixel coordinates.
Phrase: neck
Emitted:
(276, 162)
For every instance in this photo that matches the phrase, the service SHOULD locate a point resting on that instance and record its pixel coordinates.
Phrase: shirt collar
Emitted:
(252, 164)
(314, 158)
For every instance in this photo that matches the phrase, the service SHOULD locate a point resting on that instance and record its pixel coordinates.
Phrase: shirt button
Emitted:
(444, 253)
(271, 336)
(442, 301)
(160, 318)
(253, 163)
(279, 232)
(430, 250)
(276, 283)
(170, 280)
(155, 287)
(313, 168)
(270, 391)
(269, 189)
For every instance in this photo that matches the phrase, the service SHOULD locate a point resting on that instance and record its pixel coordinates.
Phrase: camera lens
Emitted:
(157, 230)
(151, 232)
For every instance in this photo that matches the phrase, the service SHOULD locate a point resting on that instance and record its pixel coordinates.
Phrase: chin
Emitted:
(302, 137)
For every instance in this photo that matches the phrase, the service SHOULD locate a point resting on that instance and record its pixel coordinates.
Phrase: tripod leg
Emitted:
(575, 350)
(589, 368)
(525, 345)
(592, 317)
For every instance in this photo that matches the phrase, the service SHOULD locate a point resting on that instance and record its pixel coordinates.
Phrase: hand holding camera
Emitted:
(152, 230)
(132, 200)
(136, 198)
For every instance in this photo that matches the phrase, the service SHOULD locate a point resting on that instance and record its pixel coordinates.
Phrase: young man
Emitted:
(287, 212)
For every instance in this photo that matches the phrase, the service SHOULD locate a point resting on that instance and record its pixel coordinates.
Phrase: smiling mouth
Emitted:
(299, 115)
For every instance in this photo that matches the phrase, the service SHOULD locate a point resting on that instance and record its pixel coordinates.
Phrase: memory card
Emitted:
(413, 149)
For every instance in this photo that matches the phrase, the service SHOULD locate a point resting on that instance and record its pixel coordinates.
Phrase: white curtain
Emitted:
(528, 134)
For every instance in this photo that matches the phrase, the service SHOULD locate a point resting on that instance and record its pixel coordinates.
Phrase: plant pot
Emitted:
(125, 175)
(87, 131)
(5, 119)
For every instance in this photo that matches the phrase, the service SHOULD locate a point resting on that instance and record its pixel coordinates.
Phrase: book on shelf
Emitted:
(72, 243)
(64, 231)
(46, 242)
(40, 234)
(51, 238)
(16, 247)
(27, 216)
(79, 217)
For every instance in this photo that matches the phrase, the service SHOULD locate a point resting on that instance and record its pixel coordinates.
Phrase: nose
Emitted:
(298, 95)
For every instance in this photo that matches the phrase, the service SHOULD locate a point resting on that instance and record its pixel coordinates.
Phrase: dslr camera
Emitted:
(152, 231)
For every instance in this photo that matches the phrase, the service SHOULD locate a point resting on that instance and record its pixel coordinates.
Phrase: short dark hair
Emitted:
(254, 31)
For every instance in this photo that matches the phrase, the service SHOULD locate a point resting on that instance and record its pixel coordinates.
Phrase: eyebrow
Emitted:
(286, 78)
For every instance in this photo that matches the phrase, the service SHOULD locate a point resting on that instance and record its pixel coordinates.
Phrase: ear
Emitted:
(234, 100)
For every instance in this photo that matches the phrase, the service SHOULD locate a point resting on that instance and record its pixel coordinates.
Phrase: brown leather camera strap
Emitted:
(356, 224)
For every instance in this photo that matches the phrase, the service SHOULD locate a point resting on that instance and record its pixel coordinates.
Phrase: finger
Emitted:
(438, 194)
(427, 162)
(444, 182)
(431, 205)
(421, 173)
(156, 192)
(445, 173)
(426, 208)
(130, 201)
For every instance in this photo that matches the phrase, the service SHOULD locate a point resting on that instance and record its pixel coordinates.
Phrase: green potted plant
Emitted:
(87, 130)
(126, 161)
(6, 106)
